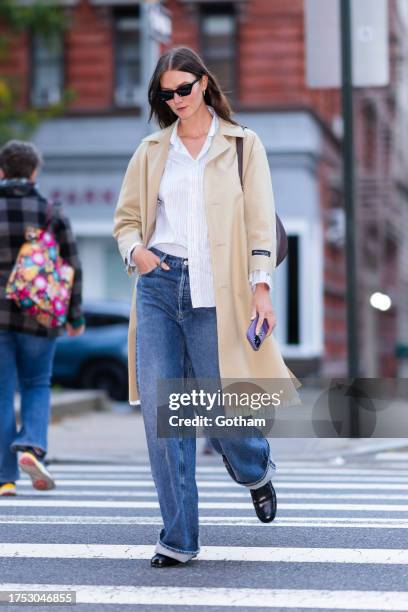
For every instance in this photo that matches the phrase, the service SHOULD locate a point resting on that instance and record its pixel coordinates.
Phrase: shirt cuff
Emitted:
(75, 323)
(260, 276)
(129, 261)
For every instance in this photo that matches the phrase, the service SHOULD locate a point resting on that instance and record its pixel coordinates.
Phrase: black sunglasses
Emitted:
(183, 90)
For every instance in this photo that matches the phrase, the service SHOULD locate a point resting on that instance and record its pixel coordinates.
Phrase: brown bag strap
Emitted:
(281, 236)
(240, 148)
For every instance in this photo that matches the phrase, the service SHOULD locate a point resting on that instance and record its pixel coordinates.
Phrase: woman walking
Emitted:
(204, 249)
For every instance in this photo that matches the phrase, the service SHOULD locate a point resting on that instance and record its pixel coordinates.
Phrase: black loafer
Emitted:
(264, 500)
(160, 560)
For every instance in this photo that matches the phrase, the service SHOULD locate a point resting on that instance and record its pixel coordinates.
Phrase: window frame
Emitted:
(62, 68)
(123, 12)
(222, 8)
(310, 292)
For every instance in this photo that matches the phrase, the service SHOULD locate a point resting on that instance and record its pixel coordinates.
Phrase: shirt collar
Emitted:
(175, 140)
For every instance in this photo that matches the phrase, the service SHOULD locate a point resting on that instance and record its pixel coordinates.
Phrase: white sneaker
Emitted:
(40, 476)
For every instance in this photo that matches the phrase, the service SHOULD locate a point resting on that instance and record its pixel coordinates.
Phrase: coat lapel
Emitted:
(220, 143)
(156, 161)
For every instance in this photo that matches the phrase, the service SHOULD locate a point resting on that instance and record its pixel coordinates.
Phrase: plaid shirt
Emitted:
(22, 205)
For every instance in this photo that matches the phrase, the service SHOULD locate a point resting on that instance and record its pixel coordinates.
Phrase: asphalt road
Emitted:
(339, 541)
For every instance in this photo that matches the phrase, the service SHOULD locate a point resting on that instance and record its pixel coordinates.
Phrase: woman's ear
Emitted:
(1, 174)
(204, 79)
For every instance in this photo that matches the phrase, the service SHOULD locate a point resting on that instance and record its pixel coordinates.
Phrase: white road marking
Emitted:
(234, 597)
(392, 456)
(375, 556)
(224, 478)
(222, 484)
(80, 503)
(238, 494)
(56, 468)
(248, 521)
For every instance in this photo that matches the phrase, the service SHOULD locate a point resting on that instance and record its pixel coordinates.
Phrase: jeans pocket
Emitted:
(156, 268)
(150, 272)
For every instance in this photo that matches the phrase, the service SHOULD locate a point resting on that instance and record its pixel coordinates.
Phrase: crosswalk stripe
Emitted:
(382, 556)
(212, 469)
(398, 467)
(221, 484)
(277, 476)
(221, 469)
(231, 597)
(117, 467)
(216, 521)
(136, 464)
(224, 494)
(50, 503)
(392, 456)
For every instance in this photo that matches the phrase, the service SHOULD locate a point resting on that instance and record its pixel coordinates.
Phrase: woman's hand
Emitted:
(146, 260)
(261, 304)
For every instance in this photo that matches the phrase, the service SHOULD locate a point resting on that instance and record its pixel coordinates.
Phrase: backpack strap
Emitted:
(48, 213)
(51, 212)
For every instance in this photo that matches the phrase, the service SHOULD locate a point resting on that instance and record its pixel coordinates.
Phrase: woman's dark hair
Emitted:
(186, 60)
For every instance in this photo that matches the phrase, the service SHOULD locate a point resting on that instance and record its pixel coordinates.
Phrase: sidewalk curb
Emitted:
(92, 460)
(73, 403)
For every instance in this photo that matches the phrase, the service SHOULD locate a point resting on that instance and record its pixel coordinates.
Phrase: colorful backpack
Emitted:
(41, 282)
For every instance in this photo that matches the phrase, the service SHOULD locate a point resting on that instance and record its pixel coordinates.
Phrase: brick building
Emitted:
(257, 50)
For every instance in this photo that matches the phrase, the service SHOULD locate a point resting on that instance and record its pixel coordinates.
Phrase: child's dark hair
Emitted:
(19, 159)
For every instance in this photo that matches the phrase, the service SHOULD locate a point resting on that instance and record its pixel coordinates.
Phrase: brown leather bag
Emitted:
(281, 237)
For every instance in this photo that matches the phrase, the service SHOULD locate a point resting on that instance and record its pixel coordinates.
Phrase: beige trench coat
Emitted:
(242, 237)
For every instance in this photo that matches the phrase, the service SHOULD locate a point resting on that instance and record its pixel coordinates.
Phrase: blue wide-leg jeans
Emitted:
(173, 339)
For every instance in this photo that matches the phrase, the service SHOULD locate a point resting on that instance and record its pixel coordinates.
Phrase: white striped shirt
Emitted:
(181, 226)
(181, 220)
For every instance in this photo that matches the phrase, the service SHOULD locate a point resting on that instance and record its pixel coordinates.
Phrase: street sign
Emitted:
(159, 20)
(369, 40)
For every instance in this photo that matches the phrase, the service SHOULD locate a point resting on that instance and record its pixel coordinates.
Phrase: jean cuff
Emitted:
(174, 554)
(12, 478)
(16, 446)
(269, 473)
